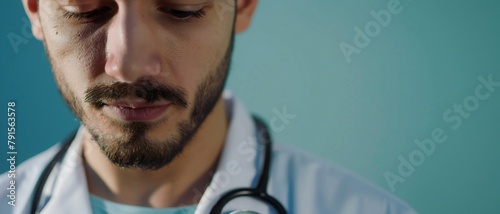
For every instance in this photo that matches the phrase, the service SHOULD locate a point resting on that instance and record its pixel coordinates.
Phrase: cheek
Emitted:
(76, 57)
(196, 54)
(81, 55)
(71, 70)
(77, 51)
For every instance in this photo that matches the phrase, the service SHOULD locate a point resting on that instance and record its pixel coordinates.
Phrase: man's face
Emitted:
(140, 75)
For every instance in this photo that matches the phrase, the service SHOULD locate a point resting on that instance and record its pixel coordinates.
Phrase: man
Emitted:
(145, 78)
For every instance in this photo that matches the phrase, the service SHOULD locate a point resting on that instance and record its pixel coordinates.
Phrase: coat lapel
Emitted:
(240, 162)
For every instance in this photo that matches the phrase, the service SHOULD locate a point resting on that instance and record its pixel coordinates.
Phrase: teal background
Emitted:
(361, 115)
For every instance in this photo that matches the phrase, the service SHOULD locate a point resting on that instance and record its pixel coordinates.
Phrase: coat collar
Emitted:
(69, 188)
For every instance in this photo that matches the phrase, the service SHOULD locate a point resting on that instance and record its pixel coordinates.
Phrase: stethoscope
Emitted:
(259, 192)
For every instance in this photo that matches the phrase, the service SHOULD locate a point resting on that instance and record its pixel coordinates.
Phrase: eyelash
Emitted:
(86, 15)
(181, 15)
(186, 14)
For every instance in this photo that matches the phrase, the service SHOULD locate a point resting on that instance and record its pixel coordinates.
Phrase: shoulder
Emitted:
(313, 184)
(21, 181)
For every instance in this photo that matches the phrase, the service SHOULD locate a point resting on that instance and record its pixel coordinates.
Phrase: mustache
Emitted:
(150, 91)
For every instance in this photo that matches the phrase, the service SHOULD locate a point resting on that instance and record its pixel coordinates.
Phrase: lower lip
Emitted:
(138, 114)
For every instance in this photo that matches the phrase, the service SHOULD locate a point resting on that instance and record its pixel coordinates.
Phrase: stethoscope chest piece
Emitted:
(243, 212)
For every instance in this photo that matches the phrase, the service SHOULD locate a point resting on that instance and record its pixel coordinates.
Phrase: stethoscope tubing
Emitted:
(259, 192)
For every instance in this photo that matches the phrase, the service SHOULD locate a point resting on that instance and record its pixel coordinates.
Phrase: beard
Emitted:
(130, 148)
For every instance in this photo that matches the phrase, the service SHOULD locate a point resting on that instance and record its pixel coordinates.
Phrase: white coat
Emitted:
(303, 184)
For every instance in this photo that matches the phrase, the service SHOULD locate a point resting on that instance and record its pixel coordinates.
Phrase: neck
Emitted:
(182, 182)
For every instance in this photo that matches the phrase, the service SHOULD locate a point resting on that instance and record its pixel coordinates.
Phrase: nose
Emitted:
(131, 52)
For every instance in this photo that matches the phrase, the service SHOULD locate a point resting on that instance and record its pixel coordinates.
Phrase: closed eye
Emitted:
(183, 14)
(90, 15)
(93, 15)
